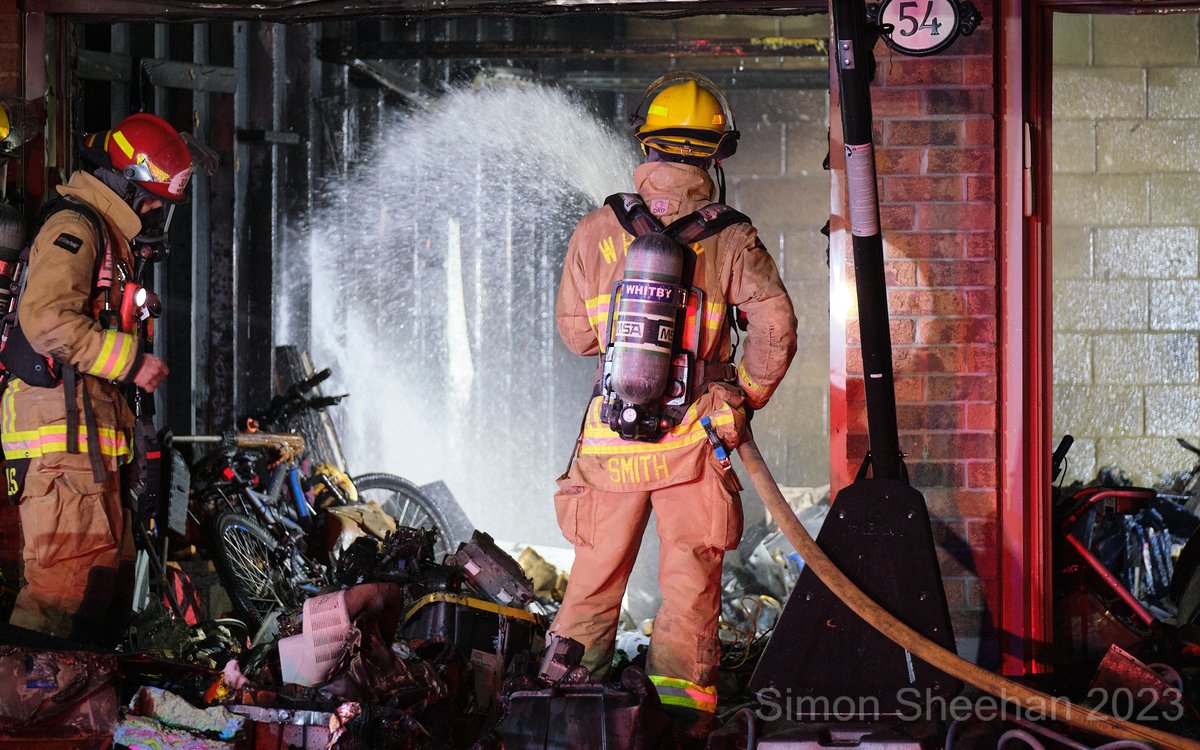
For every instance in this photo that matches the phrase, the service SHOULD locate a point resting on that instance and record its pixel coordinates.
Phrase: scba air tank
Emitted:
(644, 330)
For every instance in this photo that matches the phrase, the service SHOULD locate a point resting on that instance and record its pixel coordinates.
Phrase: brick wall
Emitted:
(1125, 243)
(936, 155)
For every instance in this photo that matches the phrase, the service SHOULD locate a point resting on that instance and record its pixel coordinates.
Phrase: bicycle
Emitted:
(261, 538)
(257, 542)
(401, 499)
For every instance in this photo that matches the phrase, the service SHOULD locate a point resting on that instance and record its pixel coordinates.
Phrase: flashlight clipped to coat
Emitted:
(138, 304)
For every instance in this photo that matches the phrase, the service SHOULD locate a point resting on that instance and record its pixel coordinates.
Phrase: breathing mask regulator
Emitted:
(152, 244)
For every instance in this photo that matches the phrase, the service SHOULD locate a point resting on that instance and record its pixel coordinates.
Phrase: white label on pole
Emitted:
(860, 181)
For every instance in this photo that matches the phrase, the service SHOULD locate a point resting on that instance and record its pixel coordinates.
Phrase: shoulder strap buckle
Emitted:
(704, 222)
(632, 214)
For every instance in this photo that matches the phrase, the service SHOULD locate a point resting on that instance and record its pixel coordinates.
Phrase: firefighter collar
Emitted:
(116, 212)
(665, 179)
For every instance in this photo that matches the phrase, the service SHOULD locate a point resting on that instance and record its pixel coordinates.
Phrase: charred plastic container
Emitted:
(470, 624)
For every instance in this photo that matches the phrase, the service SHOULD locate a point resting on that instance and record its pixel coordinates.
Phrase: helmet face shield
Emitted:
(145, 170)
(149, 153)
(203, 157)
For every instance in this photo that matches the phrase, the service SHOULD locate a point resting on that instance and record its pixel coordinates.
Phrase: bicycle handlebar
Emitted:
(324, 402)
(311, 382)
(293, 401)
(287, 443)
(1060, 453)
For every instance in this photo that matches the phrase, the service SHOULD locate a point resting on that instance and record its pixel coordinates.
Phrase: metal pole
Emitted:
(855, 67)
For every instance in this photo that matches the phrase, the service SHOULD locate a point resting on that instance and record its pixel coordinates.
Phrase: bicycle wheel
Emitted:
(242, 552)
(404, 501)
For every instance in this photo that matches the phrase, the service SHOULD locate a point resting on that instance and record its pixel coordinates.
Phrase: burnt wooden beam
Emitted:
(336, 50)
(91, 65)
(298, 10)
(815, 78)
(214, 79)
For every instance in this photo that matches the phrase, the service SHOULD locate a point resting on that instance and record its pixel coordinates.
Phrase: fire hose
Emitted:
(1053, 708)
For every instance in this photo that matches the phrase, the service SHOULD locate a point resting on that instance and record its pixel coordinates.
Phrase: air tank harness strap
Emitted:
(636, 218)
(704, 223)
(714, 371)
(631, 212)
(70, 380)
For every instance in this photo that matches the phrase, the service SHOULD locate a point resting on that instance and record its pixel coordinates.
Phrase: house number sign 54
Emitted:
(923, 27)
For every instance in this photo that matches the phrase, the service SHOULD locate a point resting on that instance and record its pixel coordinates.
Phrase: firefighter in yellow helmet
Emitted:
(618, 476)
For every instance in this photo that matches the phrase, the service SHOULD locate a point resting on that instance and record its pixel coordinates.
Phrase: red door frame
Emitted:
(1024, 588)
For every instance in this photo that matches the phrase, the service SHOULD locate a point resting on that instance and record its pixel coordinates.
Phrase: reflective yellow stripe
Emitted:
(749, 385)
(115, 354)
(714, 315)
(597, 310)
(673, 691)
(123, 143)
(8, 412)
(600, 440)
(466, 601)
(53, 439)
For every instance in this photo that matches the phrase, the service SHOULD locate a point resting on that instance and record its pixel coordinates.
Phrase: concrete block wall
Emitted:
(783, 187)
(777, 177)
(935, 129)
(1126, 249)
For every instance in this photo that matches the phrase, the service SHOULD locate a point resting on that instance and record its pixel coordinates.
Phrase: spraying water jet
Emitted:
(434, 270)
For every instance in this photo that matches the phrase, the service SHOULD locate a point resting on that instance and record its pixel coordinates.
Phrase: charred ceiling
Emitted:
(307, 10)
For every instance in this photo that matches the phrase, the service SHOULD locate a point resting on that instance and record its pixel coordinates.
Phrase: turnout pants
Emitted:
(697, 522)
(74, 539)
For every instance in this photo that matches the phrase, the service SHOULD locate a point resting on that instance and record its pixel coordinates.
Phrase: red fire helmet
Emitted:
(146, 150)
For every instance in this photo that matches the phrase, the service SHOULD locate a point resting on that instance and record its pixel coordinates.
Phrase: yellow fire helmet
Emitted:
(689, 116)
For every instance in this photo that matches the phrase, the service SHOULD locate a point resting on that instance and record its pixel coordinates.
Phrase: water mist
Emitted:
(434, 270)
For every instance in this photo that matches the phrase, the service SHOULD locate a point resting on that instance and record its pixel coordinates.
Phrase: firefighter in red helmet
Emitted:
(623, 469)
(64, 424)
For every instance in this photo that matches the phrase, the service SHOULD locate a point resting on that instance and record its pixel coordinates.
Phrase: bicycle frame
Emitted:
(1126, 500)
(286, 475)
